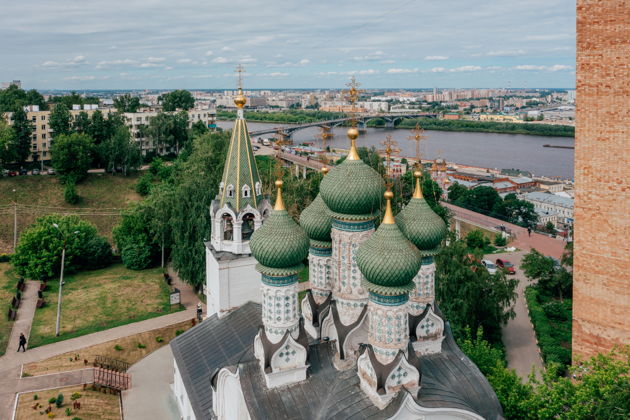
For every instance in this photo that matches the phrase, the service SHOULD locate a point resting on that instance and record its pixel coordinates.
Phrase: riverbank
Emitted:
(302, 117)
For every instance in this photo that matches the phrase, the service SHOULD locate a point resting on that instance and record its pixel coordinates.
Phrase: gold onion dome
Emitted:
(240, 100)
(387, 259)
(279, 245)
(316, 220)
(420, 224)
(352, 189)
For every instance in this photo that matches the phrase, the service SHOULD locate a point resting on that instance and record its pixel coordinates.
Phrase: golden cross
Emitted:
(352, 95)
(239, 72)
(418, 136)
(390, 148)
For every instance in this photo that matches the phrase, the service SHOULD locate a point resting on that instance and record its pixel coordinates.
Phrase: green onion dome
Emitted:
(316, 220)
(352, 187)
(279, 243)
(420, 224)
(387, 259)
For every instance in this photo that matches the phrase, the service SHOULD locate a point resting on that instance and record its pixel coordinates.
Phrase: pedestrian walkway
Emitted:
(11, 362)
(518, 336)
(22, 324)
(553, 247)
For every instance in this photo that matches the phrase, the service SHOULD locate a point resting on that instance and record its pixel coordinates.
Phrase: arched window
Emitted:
(258, 188)
(247, 192)
(228, 228)
(230, 191)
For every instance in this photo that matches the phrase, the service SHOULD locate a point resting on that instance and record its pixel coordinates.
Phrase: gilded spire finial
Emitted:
(418, 136)
(279, 202)
(325, 170)
(417, 193)
(390, 148)
(388, 219)
(240, 100)
(352, 95)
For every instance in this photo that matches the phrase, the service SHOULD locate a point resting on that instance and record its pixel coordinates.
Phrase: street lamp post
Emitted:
(63, 260)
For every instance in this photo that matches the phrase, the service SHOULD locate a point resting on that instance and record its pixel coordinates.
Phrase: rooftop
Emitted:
(549, 198)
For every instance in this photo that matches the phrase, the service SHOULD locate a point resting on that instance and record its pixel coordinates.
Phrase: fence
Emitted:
(110, 363)
(112, 379)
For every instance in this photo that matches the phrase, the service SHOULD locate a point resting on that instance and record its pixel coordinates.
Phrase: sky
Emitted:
(166, 44)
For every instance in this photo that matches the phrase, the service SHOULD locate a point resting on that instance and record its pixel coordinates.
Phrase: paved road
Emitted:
(518, 335)
(552, 247)
(11, 362)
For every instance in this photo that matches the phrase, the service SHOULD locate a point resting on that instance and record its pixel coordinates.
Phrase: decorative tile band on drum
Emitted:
(395, 300)
(427, 260)
(279, 281)
(352, 226)
(320, 252)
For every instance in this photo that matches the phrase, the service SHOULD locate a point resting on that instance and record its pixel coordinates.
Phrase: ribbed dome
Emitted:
(352, 188)
(388, 261)
(316, 221)
(421, 225)
(280, 242)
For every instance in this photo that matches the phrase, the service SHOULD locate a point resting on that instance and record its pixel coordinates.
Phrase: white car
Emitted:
(490, 266)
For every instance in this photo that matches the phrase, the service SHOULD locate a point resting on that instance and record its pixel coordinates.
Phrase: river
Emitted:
(488, 150)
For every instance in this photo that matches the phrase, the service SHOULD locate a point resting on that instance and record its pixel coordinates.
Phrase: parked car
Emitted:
(23, 171)
(492, 269)
(13, 173)
(50, 171)
(35, 171)
(256, 148)
(507, 266)
(5, 172)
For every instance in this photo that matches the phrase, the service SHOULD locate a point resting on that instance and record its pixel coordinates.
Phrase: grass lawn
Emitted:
(7, 290)
(100, 191)
(132, 349)
(98, 300)
(94, 405)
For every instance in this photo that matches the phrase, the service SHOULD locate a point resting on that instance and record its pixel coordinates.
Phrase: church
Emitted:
(367, 341)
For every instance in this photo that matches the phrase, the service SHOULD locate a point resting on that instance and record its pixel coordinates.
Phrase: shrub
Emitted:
(499, 240)
(76, 418)
(70, 194)
(118, 347)
(59, 400)
(75, 396)
(96, 253)
(35, 397)
(476, 240)
(136, 256)
(51, 415)
(5, 257)
(52, 400)
(159, 339)
(178, 332)
(143, 187)
(141, 346)
(68, 411)
(555, 310)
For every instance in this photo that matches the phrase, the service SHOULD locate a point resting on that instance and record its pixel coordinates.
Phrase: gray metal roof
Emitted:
(449, 379)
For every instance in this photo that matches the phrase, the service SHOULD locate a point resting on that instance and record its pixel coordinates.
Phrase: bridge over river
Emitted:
(390, 120)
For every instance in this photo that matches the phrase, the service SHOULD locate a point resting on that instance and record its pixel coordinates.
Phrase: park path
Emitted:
(553, 247)
(24, 317)
(11, 363)
(518, 336)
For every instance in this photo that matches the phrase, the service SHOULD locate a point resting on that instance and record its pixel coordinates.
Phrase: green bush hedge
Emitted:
(549, 336)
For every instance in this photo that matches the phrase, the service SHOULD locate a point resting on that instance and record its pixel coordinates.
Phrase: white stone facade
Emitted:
(179, 390)
(320, 276)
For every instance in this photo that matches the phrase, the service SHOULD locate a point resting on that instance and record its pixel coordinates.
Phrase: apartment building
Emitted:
(41, 141)
(137, 120)
(546, 202)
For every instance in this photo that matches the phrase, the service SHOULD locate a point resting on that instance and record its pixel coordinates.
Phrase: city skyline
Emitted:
(139, 44)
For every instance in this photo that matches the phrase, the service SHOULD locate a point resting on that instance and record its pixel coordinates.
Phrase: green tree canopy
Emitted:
(126, 103)
(169, 130)
(481, 199)
(60, 121)
(67, 101)
(468, 295)
(551, 278)
(177, 99)
(72, 155)
(120, 152)
(14, 98)
(23, 128)
(455, 191)
(38, 254)
(8, 144)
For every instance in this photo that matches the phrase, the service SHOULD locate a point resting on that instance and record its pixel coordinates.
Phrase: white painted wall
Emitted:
(183, 403)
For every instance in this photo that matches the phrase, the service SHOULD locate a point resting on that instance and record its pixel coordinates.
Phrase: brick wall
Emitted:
(601, 309)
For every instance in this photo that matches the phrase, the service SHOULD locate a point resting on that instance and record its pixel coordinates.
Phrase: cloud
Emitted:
(115, 63)
(436, 57)
(276, 74)
(465, 68)
(304, 61)
(227, 49)
(149, 65)
(365, 72)
(80, 78)
(72, 62)
(437, 70)
(505, 53)
(221, 60)
(209, 53)
(185, 61)
(533, 67)
(156, 59)
(560, 67)
(549, 37)
(373, 56)
(402, 71)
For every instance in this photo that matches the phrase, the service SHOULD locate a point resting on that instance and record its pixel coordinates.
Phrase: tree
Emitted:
(120, 152)
(199, 129)
(14, 98)
(67, 101)
(481, 199)
(477, 240)
(168, 130)
(519, 212)
(71, 155)
(8, 144)
(177, 99)
(468, 295)
(38, 254)
(81, 123)
(133, 238)
(126, 103)
(455, 191)
(60, 121)
(551, 279)
(23, 128)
